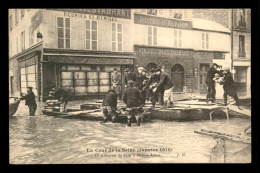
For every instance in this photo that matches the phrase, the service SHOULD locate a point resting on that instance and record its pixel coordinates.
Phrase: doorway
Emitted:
(177, 74)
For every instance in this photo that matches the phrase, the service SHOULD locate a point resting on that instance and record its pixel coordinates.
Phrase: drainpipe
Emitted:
(232, 21)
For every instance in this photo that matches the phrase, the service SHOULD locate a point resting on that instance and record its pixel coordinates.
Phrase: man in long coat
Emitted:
(116, 82)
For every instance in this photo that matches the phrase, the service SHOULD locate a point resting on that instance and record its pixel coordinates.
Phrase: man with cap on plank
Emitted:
(151, 84)
(30, 101)
(116, 82)
(211, 95)
(168, 85)
(229, 86)
(129, 76)
(61, 95)
(141, 82)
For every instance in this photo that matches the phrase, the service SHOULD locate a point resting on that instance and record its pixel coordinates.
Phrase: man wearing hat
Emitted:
(167, 84)
(61, 95)
(129, 76)
(141, 81)
(109, 105)
(132, 96)
(30, 101)
(116, 82)
(151, 84)
(210, 82)
(229, 86)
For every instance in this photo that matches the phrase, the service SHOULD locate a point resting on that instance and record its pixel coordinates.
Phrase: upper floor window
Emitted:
(241, 46)
(152, 36)
(16, 16)
(22, 13)
(63, 26)
(178, 13)
(11, 22)
(91, 35)
(205, 41)
(152, 11)
(117, 37)
(177, 37)
(241, 17)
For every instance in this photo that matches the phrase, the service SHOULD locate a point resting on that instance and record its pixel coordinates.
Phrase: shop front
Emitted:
(178, 64)
(83, 76)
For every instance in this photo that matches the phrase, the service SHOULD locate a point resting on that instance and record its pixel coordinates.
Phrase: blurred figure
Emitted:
(116, 82)
(129, 76)
(141, 82)
(132, 96)
(211, 95)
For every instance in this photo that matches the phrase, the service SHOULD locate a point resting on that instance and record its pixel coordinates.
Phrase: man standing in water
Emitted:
(109, 105)
(30, 101)
(211, 95)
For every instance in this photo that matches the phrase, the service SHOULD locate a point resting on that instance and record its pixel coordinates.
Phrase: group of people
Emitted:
(137, 86)
(220, 77)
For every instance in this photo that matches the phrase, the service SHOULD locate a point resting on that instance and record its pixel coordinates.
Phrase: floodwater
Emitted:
(42, 140)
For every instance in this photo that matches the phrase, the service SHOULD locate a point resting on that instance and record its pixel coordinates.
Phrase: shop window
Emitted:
(241, 52)
(117, 37)
(22, 13)
(28, 79)
(177, 37)
(63, 26)
(152, 36)
(91, 35)
(205, 41)
(152, 11)
(11, 22)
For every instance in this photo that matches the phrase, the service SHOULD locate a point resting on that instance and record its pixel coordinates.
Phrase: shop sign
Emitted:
(161, 22)
(89, 16)
(84, 60)
(119, 13)
(164, 52)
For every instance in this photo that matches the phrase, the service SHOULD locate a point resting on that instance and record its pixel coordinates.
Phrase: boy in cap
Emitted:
(109, 105)
(229, 86)
(30, 101)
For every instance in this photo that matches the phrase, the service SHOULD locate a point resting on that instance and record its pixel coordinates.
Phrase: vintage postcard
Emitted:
(93, 86)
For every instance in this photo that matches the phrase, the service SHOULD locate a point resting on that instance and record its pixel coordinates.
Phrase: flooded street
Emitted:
(42, 140)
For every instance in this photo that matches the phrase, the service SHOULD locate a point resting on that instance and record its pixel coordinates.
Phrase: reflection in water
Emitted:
(43, 139)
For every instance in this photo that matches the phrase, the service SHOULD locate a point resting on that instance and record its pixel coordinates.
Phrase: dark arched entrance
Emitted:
(150, 66)
(177, 74)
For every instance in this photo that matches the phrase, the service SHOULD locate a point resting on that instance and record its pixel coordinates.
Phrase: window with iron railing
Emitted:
(241, 52)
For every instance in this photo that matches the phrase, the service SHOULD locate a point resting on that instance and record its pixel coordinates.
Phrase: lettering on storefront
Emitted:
(90, 16)
(83, 60)
(120, 13)
(161, 22)
(164, 52)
